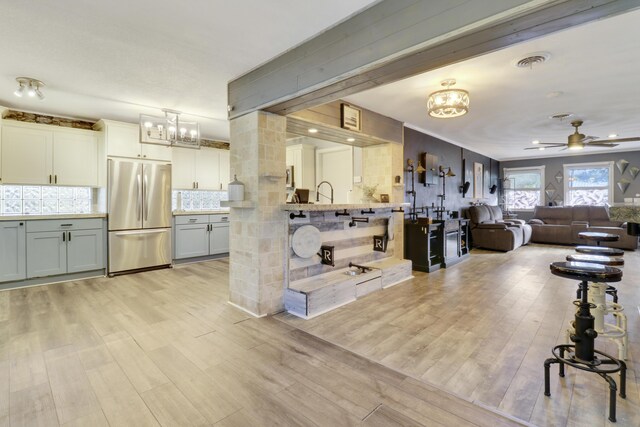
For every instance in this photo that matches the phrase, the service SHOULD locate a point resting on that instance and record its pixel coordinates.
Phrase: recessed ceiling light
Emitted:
(350, 139)
(535, 141)
(313, 130)
(613, 135)
(541, 148)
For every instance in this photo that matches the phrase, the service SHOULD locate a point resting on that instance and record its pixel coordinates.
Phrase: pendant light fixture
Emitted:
(448, 103)
(30, 87)
(169, 130)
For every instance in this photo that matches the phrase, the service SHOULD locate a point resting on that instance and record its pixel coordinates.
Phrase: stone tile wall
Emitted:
(257, 235)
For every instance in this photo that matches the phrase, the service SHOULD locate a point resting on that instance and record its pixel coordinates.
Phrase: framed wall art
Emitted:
(478, 180)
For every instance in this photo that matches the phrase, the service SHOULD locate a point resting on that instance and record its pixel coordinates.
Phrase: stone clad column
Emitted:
(257, 259)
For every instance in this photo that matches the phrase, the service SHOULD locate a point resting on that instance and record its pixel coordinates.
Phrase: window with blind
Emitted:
(588, 183)
(523, 188)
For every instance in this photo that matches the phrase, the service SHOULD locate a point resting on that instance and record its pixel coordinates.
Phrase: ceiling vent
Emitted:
(532, 59)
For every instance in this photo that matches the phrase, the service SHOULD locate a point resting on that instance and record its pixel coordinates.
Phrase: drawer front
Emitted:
(219, 218)
(192, 219)
(36, 226)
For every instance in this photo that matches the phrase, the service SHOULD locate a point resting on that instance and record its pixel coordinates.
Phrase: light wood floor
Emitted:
(482, 330)
(163, 348)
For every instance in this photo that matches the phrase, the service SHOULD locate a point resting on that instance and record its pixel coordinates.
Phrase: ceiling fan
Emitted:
(577, 141)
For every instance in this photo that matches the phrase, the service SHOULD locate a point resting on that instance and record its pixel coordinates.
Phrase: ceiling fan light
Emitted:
(535, 141)
(39, 94)
(31, 91)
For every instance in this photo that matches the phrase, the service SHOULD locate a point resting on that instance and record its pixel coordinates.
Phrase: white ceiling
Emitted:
(116, 59)
(596, 67)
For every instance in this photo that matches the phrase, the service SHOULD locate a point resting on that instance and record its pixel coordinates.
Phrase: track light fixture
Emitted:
(30, 87)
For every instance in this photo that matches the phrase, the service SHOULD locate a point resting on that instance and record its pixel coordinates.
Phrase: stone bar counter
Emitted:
(340, 206)
(626, 213)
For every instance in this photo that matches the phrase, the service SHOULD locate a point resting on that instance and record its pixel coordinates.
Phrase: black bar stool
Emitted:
(599, 250)
(597, 237)
(582, 354)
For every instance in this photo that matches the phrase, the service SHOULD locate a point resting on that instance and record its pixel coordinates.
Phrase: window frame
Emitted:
(567, 166)
(539, 169)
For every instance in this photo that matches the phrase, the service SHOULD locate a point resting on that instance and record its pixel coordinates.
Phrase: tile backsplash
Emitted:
(43, 200)
(197, 200)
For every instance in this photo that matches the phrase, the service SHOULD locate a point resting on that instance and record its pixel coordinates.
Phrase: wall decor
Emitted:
(634, 171)
(622, 165)
(559, 177)
(384, 198)
(350, 117)
(623, 184)
(478, 179)
(326, 255)
(550, 191)
(306, 241)
(380, 243)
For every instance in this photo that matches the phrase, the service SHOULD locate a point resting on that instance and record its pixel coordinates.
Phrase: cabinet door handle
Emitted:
(145, 156)
(49, 179)
(193, 185)
(197, 184)
(56, 179)
(64, 236)
(69, 239)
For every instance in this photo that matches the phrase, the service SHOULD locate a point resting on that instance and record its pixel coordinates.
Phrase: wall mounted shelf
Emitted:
(245, 204)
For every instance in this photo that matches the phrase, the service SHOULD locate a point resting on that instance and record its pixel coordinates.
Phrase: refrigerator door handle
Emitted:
(139, 198)
(134, 232)
(146, 198)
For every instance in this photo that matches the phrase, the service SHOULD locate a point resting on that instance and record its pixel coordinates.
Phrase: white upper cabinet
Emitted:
(203, 169)
(75, 159)
(183, 171)
(26, 155)
(123, 140)
(34, 154)
(225, 168)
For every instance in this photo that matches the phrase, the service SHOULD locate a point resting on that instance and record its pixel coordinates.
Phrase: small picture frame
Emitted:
(384, 198)
(478, 180)
(350, 117)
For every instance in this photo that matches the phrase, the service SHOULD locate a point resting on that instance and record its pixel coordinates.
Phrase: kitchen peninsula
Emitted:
(337, 253)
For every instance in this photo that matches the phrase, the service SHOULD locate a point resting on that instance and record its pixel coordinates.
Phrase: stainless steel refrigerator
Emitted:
(139, 206)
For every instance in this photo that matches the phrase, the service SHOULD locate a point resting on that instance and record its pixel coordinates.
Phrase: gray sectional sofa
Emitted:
(561, 225)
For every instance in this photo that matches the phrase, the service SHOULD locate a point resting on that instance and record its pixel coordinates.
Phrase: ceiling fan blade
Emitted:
(600, 144)
(589, 138)
(630, 139)
(551, 143)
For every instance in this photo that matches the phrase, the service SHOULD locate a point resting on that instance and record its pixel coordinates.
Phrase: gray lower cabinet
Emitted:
(46, 253)
(192, 240)
(13, 265)
(219, 238)
(201, 235)
(57, 247)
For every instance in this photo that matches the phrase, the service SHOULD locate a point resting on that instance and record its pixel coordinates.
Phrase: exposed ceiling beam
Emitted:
(395, 39)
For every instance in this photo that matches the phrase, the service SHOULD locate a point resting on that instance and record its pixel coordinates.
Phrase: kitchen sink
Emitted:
(353, 272)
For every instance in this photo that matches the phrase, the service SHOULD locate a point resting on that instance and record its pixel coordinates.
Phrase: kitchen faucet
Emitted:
(318, 194)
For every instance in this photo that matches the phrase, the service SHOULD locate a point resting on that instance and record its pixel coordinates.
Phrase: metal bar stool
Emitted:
(604, 251)
(582, 354)
(597, 297)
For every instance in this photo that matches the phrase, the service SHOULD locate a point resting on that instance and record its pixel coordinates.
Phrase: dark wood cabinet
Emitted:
(437, 245)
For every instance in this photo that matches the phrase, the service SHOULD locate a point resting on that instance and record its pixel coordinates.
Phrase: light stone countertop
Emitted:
(11, 217)
(338, 207)
(211, 212)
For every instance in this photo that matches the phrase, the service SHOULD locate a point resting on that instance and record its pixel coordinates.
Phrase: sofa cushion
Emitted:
(479, 214)
(580, 213)
(553, 215)
(495, 212)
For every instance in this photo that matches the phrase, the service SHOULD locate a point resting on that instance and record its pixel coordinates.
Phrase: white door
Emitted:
(335, 166)
(224, 168)
(26, 156)
(123, 140)
(156, 152)
(75, 159)
(183, 163)
(207, 169)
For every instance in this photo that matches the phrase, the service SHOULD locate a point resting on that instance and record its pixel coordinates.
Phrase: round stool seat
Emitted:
(584, 271)
(599, 250)
(597, 237)
(596, 259)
